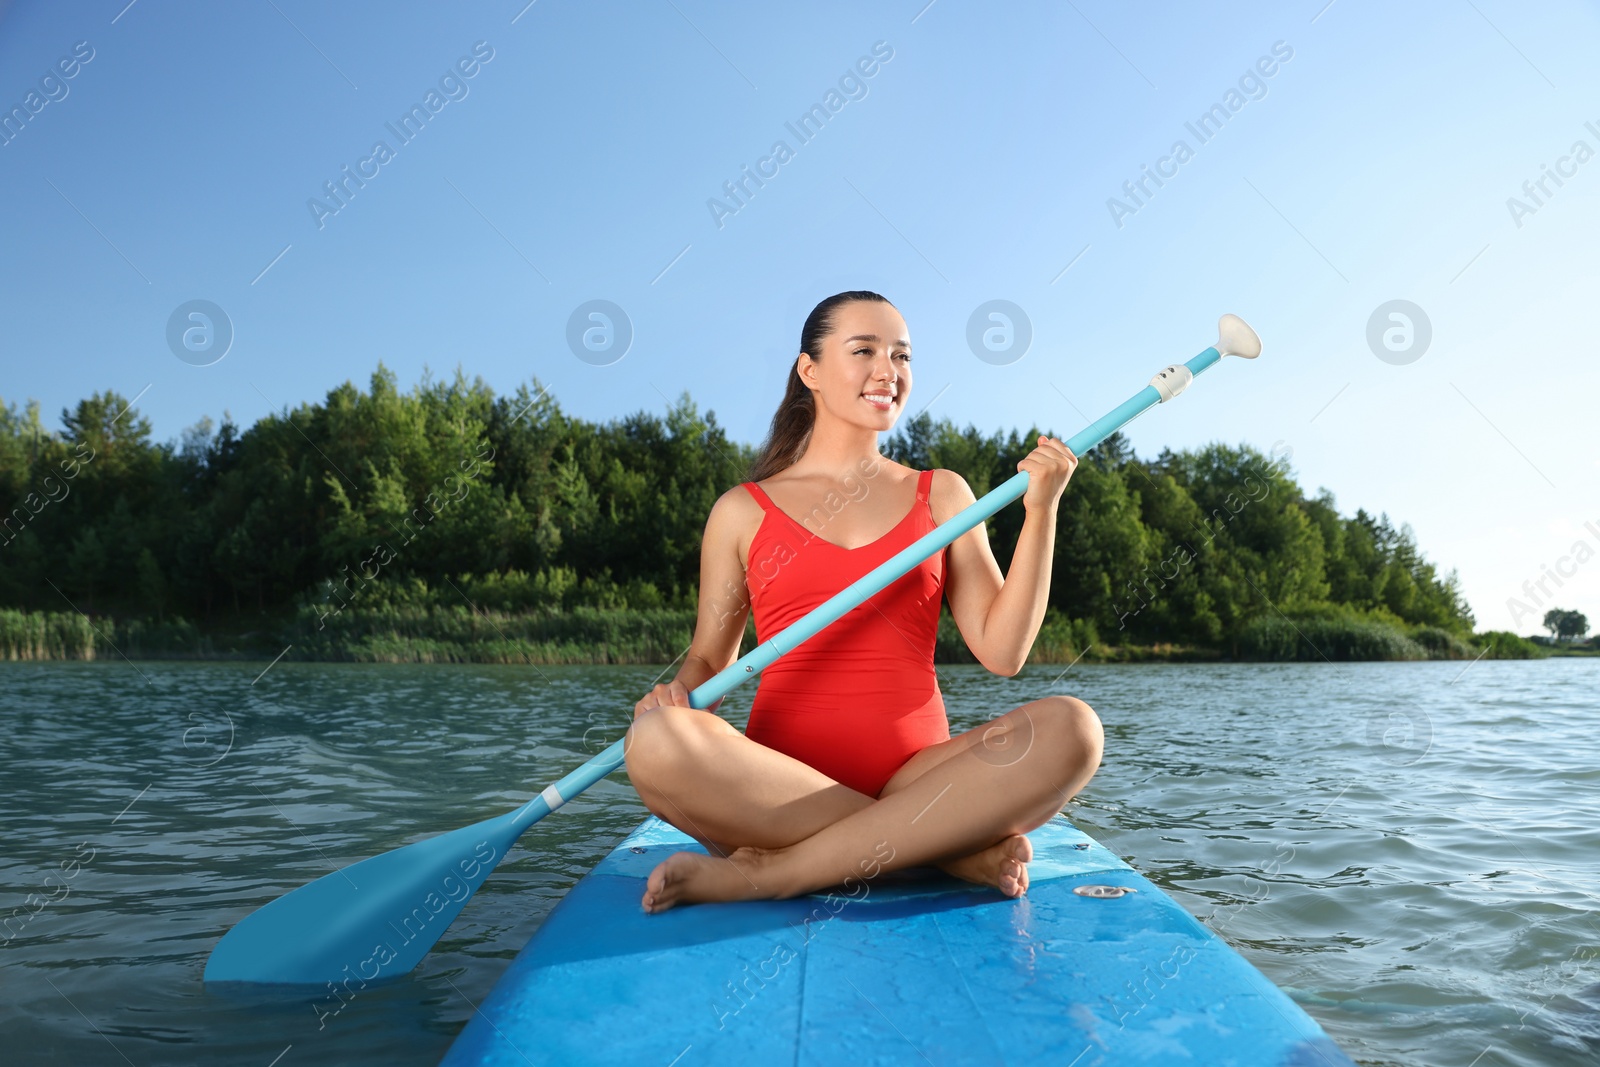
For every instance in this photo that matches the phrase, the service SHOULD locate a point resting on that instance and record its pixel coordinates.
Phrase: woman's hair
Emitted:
(797, 412)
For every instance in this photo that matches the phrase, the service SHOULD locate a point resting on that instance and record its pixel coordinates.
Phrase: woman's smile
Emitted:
(880, 401)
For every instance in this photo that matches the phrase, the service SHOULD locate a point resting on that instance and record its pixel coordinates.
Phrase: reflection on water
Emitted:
(1408, 848)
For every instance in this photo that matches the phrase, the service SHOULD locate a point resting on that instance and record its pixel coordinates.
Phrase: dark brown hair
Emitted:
(797, 413)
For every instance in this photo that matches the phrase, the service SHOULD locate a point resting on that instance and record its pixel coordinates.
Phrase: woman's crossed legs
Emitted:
(776, 827)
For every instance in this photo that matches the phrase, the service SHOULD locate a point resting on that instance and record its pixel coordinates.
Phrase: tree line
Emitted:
(446, 494)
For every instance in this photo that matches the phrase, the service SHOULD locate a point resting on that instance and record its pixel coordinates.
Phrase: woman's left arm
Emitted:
(999, 618)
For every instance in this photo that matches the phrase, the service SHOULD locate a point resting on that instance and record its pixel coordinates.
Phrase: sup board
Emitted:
(1093, 965)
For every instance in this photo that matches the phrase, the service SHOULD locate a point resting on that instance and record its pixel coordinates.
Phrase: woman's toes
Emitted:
(1021, 853)
(655, 887)
(1019, 848)
(690, 877)
(1013, 878)
(1003, 865)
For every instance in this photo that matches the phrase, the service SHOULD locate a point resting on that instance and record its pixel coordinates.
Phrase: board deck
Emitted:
(911, 967)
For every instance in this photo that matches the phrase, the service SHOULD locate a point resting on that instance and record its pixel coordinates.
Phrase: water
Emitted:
(1411, 849)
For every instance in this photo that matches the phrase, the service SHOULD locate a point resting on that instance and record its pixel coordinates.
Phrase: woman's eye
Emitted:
(861, 350)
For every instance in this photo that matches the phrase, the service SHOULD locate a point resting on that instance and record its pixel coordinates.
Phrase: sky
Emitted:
(1356, 154)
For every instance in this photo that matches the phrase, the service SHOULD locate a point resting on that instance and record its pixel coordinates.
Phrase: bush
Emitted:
(49, 635)
(1276, 638)
(1442, 644)
(30, 635)
(1503, 644)
(458, 634)
(1061, 640)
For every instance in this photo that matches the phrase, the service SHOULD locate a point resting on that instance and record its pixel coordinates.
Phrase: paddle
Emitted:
(379, 917)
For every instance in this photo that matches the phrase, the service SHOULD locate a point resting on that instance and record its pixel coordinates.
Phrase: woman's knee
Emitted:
(662, 738)
(1075, 730)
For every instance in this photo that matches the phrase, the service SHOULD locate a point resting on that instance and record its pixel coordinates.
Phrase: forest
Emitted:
(445, 523)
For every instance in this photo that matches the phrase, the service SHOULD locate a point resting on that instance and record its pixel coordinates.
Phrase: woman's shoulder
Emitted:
(948, 493)
(733, 521)
(737, 505)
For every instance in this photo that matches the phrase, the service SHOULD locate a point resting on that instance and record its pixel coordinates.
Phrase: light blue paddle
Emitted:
(379, 917)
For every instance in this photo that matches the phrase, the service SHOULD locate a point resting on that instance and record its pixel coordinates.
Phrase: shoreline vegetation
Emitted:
(449, 525)
(601, 636)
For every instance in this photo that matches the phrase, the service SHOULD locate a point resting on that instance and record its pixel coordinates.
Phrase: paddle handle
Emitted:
(768, 652)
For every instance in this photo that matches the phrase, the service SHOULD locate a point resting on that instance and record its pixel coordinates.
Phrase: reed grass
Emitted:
(431, 633)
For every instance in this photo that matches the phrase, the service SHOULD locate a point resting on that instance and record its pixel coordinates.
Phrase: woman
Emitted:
(847, 766)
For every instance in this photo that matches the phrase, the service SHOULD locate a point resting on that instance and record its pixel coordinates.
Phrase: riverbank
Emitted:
(435, 634)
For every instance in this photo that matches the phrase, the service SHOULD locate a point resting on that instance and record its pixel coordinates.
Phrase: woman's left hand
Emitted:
(1049, 468)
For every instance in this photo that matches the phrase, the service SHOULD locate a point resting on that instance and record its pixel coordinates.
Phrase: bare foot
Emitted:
(692, 878)
(1003, 865)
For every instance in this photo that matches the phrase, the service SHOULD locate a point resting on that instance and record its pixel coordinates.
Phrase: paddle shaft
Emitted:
(857, 593)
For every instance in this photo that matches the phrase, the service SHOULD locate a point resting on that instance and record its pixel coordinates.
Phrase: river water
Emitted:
(1412, 850)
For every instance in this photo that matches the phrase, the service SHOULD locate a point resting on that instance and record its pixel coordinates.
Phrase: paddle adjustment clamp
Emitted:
(1172, 380)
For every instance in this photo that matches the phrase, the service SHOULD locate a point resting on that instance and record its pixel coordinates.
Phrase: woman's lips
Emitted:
(881, 401)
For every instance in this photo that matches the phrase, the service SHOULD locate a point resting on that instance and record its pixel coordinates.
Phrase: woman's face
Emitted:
(863, 374)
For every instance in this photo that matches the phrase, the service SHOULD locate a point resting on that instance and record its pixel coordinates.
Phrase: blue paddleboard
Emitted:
(1094, 965)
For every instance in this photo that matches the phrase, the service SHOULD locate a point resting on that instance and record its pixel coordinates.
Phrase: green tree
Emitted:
(1566, 625)
(86, 567)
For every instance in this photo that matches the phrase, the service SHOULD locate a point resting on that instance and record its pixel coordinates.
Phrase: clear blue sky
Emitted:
(1374, 164)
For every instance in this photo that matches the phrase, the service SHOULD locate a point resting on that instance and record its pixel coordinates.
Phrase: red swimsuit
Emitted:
(861, 697)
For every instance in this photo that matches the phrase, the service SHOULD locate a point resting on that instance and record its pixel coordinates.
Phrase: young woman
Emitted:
(847, 767)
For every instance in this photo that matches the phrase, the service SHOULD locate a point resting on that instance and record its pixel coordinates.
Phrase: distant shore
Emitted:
(598, 636)
(451, 524)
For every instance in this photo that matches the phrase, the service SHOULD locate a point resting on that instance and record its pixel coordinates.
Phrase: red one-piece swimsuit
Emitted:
(860, 698)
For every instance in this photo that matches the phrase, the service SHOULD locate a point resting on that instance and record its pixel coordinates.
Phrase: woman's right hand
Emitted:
(673, 694)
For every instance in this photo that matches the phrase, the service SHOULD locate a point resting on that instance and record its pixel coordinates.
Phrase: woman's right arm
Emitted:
(724, 602)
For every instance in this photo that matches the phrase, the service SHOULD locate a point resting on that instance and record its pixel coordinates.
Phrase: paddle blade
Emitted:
(374, 919)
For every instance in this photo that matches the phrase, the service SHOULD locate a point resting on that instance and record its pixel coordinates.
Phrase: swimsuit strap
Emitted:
(761, 497)
(924, 481)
